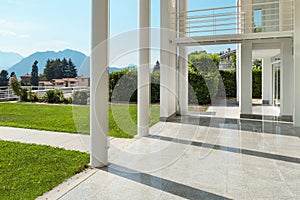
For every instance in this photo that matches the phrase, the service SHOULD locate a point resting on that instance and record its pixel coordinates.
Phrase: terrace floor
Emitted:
(188, 157)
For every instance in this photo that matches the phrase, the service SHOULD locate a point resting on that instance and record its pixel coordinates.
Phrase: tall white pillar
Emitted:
(99, 83)
(168, 72)
(238, 72)
(183, 62)
(286, 78)
(296, 63)
(144, 69)
(266, 80)
(246, 79)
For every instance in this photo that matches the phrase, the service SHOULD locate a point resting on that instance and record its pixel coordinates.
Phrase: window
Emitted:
(257, 25)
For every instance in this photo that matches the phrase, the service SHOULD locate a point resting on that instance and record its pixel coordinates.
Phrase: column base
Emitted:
(265, 102)
(286, 118)
(165, 119)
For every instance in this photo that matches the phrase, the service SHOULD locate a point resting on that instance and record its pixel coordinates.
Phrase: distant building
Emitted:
(67, 82)
(227, 60)
(25, 79)
(83, 81)
(45, 83)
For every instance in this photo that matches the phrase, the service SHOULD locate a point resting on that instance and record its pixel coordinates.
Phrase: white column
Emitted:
(296, 63)
(144, 69)
(266, 80)
(99, 83)
(238, 72)
(183, 63)
(168, 60)
(286, 78)
(246, 78)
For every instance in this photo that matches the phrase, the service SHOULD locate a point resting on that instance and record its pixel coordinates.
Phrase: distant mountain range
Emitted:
(22, 66)
(81, 61)
(8, 59)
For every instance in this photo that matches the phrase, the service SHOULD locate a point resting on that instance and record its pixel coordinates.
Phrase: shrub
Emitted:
(256, 83)
(155, 87)
(24, 94)
(68, 100)
(15, 85)
(80, 97)
(33, 97)
(54, 96)
(123, 86)
(203, 79)
(228, 77)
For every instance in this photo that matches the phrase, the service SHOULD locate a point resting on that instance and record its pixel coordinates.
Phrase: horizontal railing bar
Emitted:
(219, 30)
(210, 25)
(206, 9)
(230, 7)
(213, 15)
(206, 21)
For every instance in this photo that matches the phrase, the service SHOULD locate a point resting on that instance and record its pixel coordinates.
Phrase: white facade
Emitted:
(261, 28)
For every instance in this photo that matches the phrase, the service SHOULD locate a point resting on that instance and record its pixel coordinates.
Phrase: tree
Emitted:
(257, 63)
(216, 58)
(72, 69)
(42, 77)
(156, 66)
(57, 69)
(34, 80)
(15, 84)
(233, 61)
(203, 65)
(4, 78)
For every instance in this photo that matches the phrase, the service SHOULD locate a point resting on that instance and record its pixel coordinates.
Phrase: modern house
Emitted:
(67, 82)
(227, 60)
(264, 29)
(25, 79)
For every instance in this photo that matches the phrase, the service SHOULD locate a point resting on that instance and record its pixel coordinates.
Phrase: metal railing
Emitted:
(269, 16)
(7, 94)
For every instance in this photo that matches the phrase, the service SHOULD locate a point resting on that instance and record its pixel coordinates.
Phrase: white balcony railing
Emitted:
(260, 16)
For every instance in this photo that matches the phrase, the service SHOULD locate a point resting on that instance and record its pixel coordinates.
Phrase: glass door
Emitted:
(276, 83)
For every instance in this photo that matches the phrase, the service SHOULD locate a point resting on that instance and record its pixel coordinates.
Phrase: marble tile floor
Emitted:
(191, 157)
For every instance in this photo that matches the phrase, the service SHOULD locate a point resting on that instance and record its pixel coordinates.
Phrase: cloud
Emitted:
(2, 21)
(7, 33)
(11, 34)
(24, 36)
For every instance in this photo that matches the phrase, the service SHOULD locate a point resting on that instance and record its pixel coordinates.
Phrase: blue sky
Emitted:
(27, 26)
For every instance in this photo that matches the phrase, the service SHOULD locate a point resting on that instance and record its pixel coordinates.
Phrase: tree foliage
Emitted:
(57, 69)
(4, 78)
(156, 67)
(257, 63)
(215, 58)
(203, 78)
(15, 84)
(34, 80)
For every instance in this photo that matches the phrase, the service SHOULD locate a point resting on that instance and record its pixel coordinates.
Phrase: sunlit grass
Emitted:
(71, 119)
(28, 171)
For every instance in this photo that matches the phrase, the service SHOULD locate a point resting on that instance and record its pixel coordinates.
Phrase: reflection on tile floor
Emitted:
(201, 158)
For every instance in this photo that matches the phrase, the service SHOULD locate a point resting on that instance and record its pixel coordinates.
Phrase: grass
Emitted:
(71, 119)
(28, 171)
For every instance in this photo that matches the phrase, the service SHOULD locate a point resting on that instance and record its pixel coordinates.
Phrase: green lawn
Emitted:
(71, 119)
(27, 171)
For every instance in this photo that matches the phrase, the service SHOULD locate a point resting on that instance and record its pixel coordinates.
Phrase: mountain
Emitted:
(7, 59)
(117, 69)
(81, 61)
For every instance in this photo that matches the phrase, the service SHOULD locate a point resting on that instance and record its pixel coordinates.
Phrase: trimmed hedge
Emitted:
(123, 85)
(256, 83)
(229, 83)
